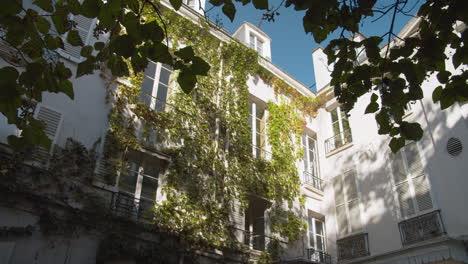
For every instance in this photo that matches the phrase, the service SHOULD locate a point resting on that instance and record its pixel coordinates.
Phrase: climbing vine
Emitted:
(212, 170)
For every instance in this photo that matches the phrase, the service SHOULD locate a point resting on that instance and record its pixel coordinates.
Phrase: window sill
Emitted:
(312, 189)
(339, 149)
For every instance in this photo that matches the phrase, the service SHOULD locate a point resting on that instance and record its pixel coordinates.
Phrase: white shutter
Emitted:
(52, 121)
(342, 219)
(83, 26)
(413, 159)
(422, 192)
(354, 216)
(405, 199)
(350, 184)
(399, 171)
(339, 192)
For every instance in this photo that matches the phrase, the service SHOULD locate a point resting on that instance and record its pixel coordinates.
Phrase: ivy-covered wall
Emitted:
(208, 138)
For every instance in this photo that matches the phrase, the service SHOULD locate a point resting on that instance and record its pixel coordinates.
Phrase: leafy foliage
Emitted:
(37, 34)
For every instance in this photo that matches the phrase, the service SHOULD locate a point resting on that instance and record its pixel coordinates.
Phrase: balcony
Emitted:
(352, 247)
(310, 179)
(318, 256)
(338, 141)
(127, 206)
(421, 228)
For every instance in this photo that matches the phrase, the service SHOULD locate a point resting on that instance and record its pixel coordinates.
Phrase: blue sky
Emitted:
(291, 47)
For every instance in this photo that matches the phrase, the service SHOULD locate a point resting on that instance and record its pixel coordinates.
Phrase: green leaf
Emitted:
(11, 7)
(99, 45)
(61, 23)
(42, 25)
(374, 97)
(260, 4)
(186, 53)
(176, 4)
(90, 8)
(443, 76)
(229, 10)
(53, 43)
(199, 66)
(86, 51)
(85, 67)
(117, 66)
(74, 38)
(123, 45)
(372, 108)
(153, 31)
(436, 94)
(411, 131)
(63, 73)
(45, 5)
(66, 87)
(396, 144)
(187, 80)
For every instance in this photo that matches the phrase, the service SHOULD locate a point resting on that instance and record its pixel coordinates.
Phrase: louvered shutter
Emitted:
(354, 216)
(83, 26)
(52, 121)
(339, 192)
(405, 199)
(350, 183)
(398, 167)
(413, 159)
(342, 219)
(422, 192)
(6, 251)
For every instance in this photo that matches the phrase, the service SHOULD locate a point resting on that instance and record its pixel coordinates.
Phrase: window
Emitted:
(311, 172)
(317, 240)
(137, 186)
(155, 85)
(341, 130)
(255, 224)
(411, 185)
(258, 126)
(256, 43)
(347, 203)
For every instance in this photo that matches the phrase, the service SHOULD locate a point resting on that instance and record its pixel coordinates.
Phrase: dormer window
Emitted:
(256, 44)
(190, 3)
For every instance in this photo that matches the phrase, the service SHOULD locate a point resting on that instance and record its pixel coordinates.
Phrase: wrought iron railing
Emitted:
(318, 256)
(338, 140)
(310, 179)
(421, 228)
(351, 247)
(127, 206)
(260, 242)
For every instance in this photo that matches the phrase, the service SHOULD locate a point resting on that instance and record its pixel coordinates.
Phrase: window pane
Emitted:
(252, 41)
(336, 128)
(304, 146)
(161, 97)
(164, 76)
(345, 124)
(334, 115)
(319, 243)
(319, 227)
(311, 240)
(150, 69)
(146, 90)
(149, 187)
(129, 178)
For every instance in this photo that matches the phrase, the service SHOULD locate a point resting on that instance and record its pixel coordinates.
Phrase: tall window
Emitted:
(317, 240)
(411, 185)
(258, 125)
(310, 155)
(347, 203)
(341, 130)
(155, 85)
(256, 44)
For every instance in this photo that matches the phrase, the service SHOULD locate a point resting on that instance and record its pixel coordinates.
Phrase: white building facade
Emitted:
(363, 204)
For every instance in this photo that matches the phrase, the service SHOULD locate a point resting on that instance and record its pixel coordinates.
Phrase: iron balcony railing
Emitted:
(338, 140)
(127, 206)
(318, 256)
(421, 228)
(310, 179)
(260, 242)
(352, 247)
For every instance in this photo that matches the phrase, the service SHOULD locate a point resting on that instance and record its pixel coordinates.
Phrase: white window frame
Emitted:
(156, 81)
(261, 146)
(258, 43)
(410, 180)
(339, 115)
(314, 164)
(139, 181)
(313, 233)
